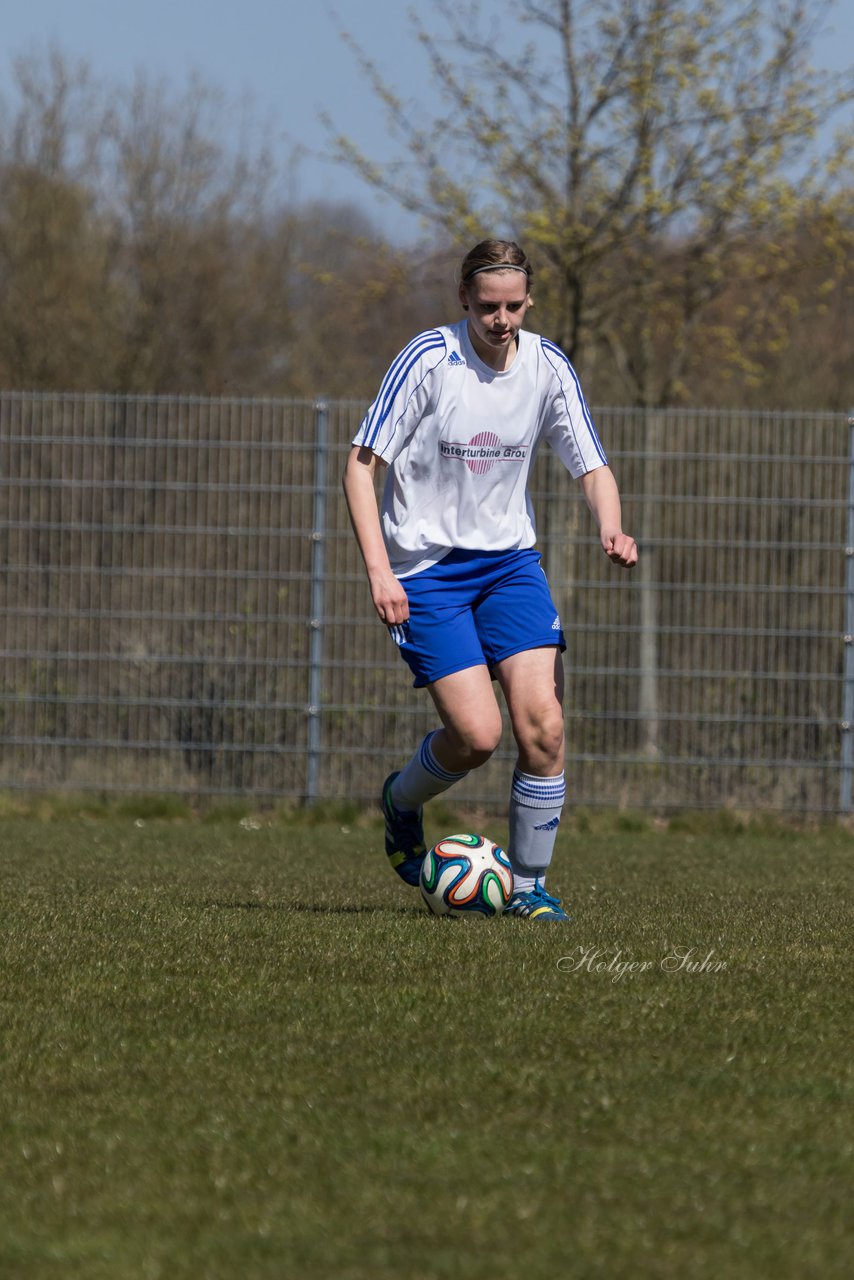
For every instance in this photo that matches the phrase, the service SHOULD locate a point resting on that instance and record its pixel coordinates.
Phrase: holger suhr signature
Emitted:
(617, 963)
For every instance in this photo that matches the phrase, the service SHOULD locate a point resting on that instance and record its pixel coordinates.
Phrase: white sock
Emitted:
(535, 808)
(421, 779)
(524, 884)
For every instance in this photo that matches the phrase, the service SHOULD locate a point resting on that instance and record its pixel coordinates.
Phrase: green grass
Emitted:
(242, 1049)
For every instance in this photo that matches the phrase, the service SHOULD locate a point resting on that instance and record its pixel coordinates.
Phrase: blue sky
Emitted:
(284, 55)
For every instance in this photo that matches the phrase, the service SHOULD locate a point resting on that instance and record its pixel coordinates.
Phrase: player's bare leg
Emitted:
(533, 685)
(471, 730)
(471, 719)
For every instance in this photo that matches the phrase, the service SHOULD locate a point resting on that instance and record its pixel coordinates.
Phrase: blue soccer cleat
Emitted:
(536, 904)
(404, 836)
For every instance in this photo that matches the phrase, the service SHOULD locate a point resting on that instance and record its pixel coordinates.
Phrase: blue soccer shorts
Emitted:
(475, 608)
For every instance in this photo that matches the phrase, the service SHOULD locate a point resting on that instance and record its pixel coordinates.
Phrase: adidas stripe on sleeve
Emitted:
(403, 395)
(460, 439)
(571, 432)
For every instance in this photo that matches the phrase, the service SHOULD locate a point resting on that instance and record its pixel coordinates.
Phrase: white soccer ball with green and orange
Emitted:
(466, 875)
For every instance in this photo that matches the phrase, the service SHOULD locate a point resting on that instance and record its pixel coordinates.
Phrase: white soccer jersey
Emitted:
(460, 439)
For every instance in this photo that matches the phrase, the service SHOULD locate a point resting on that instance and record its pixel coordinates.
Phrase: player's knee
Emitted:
(479, 748)
(474, 744)
(542, 738)
(478, 754)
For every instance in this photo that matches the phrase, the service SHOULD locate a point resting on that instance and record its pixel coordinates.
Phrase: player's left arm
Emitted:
(603, 499)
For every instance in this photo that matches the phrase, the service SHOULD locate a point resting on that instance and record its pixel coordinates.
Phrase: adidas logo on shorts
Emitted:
(556, 623)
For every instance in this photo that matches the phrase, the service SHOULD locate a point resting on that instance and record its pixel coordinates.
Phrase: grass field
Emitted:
(244, 1050)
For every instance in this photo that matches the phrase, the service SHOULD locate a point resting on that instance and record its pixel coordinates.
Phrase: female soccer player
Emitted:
(451, 561)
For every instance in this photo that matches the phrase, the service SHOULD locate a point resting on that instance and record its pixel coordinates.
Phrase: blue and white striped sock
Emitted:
(421, 779)
(535, 808)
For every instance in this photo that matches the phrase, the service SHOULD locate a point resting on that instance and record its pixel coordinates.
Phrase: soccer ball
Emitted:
(466, 875)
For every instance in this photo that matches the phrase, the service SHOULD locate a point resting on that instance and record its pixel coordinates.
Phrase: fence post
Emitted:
(648, 566)
(318, 584)
(847, 725)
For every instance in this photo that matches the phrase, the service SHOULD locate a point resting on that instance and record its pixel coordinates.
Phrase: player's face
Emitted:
(497, 302)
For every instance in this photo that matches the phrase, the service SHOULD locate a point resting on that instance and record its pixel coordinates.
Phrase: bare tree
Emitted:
(204, 277)
(145, 246)
(649, 152)
(358, 300)
(138, 250)
(619, 134)
(58, 299)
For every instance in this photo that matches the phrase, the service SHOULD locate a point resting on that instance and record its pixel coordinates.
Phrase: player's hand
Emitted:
(390, 599)
(620, 548)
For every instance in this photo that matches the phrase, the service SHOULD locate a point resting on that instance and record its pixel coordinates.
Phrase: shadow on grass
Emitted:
(315, 908)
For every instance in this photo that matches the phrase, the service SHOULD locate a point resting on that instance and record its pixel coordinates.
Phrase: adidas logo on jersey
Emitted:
(456, 360)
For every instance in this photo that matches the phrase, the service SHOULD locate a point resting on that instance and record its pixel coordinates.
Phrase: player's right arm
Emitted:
(387, 593)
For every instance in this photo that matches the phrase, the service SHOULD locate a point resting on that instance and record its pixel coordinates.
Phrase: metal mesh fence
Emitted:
(184, 609)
